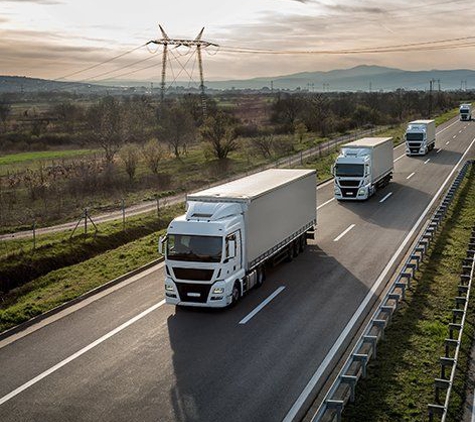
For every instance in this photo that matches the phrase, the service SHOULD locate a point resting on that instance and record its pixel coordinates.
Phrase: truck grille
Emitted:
(349, 183)
(349, 192)
(414, 145)
(197, 293)
(193, 274)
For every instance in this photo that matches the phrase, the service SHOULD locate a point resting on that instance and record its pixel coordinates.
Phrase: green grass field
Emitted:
(28, 157)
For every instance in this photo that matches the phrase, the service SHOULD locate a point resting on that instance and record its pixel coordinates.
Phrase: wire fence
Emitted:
(343, 388)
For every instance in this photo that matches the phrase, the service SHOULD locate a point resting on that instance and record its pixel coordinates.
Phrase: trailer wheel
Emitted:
(236, 294)
(296, 247)
(261, 276)
(303, 242)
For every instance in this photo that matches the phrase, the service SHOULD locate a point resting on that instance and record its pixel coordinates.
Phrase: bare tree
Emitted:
(153, 153)
(264, 144)
(5, 109)
(130, 155)
(176, 127)
(300, 130)
(105, 119)
(219, 132)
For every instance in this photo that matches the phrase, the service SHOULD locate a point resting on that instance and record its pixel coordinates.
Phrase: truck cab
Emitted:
(465, 112)
(204, 255)
(420, 137)
(351, 171)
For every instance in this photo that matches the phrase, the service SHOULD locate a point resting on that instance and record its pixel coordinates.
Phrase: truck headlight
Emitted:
(169, 288)
(218, 290)
(362, 191)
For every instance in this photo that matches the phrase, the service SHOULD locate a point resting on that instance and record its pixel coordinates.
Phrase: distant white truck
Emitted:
(420, 137)
(362, 167)
(219, 249)
(466, 112)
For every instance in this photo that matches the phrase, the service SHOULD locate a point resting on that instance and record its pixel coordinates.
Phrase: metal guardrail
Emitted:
(343, 388)
(452, 345)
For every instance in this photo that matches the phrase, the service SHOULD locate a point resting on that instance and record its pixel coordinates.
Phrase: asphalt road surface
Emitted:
(126, 356)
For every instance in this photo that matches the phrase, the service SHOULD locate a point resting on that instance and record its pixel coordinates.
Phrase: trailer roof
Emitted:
(253, 186)
(421, 122)
(367, 142)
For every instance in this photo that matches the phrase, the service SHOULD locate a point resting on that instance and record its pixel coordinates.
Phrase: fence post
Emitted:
(123, 213)
(85, 220)
(34, 234)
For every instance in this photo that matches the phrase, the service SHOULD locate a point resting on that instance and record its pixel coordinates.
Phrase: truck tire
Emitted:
(236, 293)
(261, 276)
(303, 243)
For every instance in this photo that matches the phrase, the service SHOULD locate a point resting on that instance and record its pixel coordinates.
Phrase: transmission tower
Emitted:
(198, 43)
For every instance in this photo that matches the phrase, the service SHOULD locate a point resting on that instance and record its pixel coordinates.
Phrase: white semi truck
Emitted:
(466, 112)
(362, 167)
(219, 249)
(420, 137)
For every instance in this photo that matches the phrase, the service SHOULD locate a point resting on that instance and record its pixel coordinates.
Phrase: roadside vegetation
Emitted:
(400, 382)
(93, 152)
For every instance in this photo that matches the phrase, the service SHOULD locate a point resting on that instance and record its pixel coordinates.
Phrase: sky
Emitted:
(61, 39)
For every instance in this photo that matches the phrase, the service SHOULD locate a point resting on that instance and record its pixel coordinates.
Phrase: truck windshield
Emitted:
(414, 136)
(349, 170)
(183, 247)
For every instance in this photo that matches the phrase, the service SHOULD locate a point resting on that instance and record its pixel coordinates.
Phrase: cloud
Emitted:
(47, 2)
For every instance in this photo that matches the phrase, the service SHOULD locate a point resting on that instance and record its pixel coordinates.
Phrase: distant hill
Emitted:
(24, 84)
(360, 78)
(357, 79)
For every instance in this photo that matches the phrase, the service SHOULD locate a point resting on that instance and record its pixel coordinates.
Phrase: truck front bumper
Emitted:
(202, 297)
(359, 194)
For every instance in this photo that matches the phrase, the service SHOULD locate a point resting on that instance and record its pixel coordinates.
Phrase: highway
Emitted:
(125, 355)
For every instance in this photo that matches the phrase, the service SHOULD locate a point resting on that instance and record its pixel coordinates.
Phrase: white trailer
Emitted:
(466, 112)
(420, 137)
(362, 167)
(219, 249)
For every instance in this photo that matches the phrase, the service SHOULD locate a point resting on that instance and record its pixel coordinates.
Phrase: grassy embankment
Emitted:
(400, 383)
(60, 268)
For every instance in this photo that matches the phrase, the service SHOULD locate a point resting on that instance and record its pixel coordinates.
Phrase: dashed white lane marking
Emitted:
(398, 158)
(345, 232)
(426, 161)
(412, 174)
(261, 306)
(447, 143)
(325, 203)
(440, 149)
(386, 197)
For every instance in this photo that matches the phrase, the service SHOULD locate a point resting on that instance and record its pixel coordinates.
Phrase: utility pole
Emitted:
(430, 96)
(198, 43)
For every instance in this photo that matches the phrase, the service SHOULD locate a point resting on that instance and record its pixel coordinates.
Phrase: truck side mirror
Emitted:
(232, 249)
(161, 243)
(333, 169)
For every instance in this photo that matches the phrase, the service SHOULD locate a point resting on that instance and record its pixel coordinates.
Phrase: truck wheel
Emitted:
(261, 276)
(236, 294)
(303, 243)
(296, 247)
(290, 253)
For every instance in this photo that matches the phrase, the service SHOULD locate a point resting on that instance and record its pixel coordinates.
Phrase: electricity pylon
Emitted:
(166, 41)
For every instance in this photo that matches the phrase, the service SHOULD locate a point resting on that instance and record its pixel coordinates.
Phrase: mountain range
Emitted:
(360, 78)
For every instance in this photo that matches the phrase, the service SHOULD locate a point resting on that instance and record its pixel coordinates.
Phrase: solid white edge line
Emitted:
(342, 234)
(386, 197)
(74, 356)
(426, 161)
(412, 174)
(473, 408)
(246, 319)
(349, 326)
(325, 203)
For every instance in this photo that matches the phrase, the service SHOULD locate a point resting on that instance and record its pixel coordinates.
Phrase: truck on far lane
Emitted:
(219, 248)
(420, 137)
(465, 112)
(362, 167)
